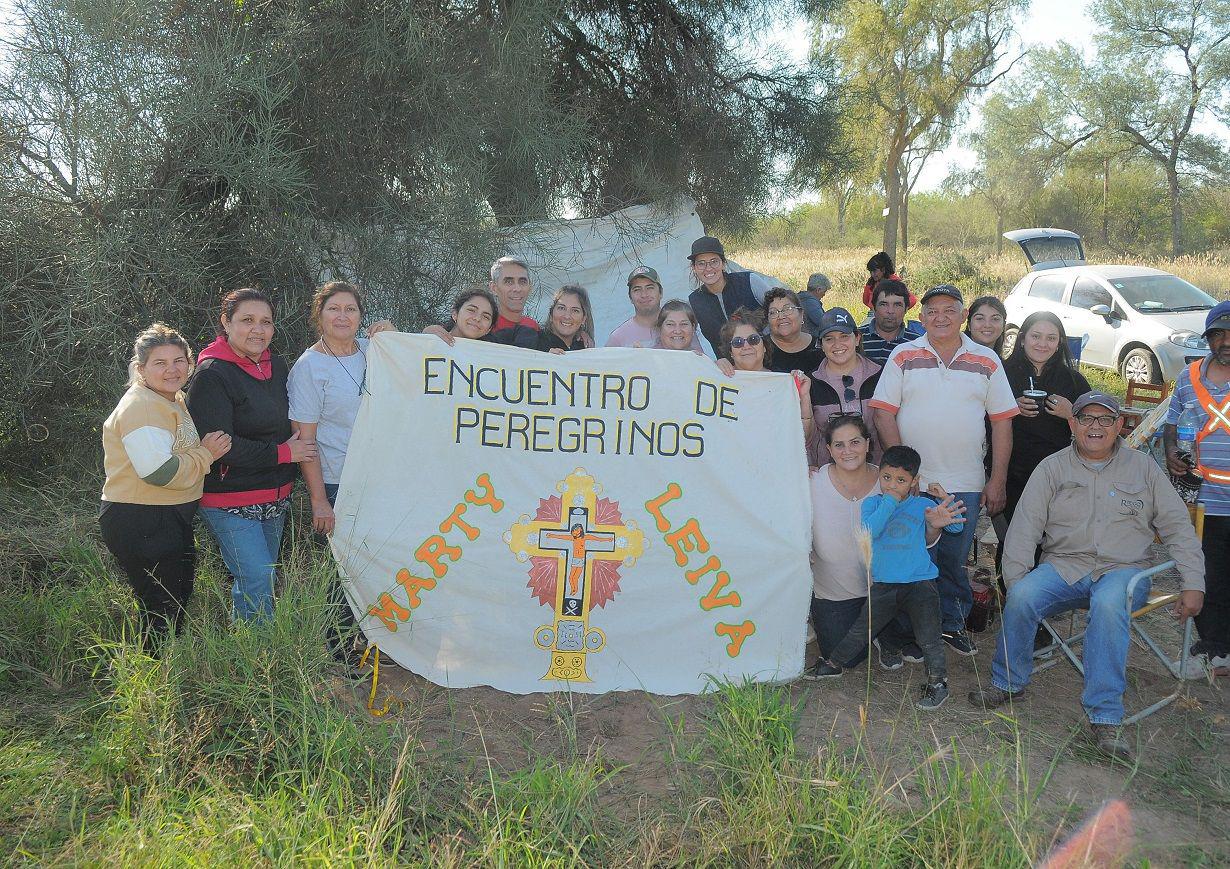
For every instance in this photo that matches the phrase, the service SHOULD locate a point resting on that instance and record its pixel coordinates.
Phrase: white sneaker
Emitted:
(1192, 667)
(1220, 662)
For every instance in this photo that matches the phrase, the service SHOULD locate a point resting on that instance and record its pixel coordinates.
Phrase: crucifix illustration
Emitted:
(572, 534)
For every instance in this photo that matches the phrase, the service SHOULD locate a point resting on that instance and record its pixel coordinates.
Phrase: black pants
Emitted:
(918, 600)
(341, 628)
(831, 620)
(155, 548)
(1213, 623)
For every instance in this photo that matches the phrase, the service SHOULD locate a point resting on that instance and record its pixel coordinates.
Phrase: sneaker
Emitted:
(934, 695)
(991, 697)
(1109, 740)
(960, 643)
(1220, 664)
(1203, 647)
(823, 669)
(911, 654)
(1043, 640)
(889, 660)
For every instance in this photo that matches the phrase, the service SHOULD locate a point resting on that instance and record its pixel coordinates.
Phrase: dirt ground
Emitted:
(1179, 789)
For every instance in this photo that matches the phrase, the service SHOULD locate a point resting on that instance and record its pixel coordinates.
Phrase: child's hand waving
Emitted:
(949, 511)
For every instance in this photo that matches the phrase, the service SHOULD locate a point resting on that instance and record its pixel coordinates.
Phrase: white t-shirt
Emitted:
(325, 389)
(940, 408)
(838, 571)
(630, 333)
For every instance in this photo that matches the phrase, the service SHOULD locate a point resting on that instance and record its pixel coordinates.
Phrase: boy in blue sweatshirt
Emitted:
(902, 527)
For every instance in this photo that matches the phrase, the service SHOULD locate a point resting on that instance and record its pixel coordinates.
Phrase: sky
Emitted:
(1044, 23)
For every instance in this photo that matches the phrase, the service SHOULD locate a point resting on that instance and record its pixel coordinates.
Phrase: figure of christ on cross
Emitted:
(578, 541)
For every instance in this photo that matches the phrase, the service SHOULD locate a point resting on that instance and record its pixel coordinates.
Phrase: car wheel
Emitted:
(1010, 335)
(1140, 365)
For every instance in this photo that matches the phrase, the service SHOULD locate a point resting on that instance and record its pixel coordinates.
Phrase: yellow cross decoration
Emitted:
(577, 541)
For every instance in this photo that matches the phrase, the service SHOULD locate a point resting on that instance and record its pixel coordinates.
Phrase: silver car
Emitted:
(1142, 322)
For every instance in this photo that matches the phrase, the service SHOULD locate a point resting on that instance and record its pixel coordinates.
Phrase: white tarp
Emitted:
(598, 253)
(601, 520)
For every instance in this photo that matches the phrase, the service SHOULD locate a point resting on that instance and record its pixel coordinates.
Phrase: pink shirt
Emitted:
(630, 333)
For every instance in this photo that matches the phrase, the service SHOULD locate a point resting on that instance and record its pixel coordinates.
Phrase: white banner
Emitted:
(602, 520)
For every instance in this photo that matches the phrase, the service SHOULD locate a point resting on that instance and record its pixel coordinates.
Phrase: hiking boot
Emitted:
(911, 654)
(823, 669)
(889, 660)
(1109, 740)
(992, 697)
(960, 643)
(934, 695)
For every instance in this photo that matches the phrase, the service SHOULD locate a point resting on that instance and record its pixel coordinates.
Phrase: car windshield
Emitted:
(1162, 294)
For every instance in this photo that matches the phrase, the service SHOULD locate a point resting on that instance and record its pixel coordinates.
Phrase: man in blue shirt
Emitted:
(887, 327)
(901, 526)
(1205, 385)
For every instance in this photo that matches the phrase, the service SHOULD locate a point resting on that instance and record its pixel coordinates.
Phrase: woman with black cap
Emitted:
(720, 293)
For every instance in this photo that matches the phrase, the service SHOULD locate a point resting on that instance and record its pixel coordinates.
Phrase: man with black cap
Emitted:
(1204, 386)
(934, 394)
(641, 329)
(1093, 510)
(720, 293)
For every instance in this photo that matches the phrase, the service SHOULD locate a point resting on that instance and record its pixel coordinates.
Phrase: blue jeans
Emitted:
(250, 550)
(950, 555)
(1042, 593)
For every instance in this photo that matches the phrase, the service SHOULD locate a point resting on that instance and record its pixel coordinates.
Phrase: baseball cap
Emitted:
(1218, 318)
(707, 244)
(644, 272)
(1107, 401)
(943, 290)
(836, 320)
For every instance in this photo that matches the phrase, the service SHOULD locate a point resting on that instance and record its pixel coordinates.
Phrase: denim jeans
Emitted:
(1042, 593)
(250, 550)
(919, 601)
(831, 620)
(950, 555)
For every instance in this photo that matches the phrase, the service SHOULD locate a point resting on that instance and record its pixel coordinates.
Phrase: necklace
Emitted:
(844, 490)
(360, 386)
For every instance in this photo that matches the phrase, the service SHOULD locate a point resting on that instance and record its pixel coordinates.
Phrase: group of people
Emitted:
(910, 429)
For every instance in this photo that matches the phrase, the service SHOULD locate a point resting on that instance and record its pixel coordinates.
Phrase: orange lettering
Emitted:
(655, 506)
(412, 584)
(432, 552)
(455, 520)
(389, 611)
(488, 499)
(687, 538)
(737, 634)
(712, 601)
(714, 563)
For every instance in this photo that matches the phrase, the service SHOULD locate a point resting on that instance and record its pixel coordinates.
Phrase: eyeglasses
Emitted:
(778, 313)
(707, 263)
(1090, 419)
(847, 381)
(739, 341)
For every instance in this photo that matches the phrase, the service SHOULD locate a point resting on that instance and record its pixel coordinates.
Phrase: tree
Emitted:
(911, 65)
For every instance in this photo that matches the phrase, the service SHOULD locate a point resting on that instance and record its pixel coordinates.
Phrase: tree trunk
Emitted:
(842, 201)
(892, 202)
(1106, 201)
(905, 222)
(999, 231)
(1176, 214)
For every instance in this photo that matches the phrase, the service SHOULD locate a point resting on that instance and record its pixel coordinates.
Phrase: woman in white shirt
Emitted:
(839, 572)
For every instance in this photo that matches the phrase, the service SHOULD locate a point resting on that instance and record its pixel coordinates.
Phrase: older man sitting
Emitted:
(1094, 508)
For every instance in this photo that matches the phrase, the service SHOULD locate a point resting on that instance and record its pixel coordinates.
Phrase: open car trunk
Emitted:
(1048, 248)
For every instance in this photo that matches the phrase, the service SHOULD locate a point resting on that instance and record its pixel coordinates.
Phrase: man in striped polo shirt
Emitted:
(1205, 385)
(933, 395)
(887, 328)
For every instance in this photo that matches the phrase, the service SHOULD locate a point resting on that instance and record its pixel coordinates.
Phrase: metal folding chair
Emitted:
(1180, 668)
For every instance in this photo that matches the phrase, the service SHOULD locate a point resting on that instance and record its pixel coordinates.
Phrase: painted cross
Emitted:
(576, 539)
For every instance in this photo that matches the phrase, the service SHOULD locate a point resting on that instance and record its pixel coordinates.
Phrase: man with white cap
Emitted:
(1205, 386)
(1093, 509)
(641, 329)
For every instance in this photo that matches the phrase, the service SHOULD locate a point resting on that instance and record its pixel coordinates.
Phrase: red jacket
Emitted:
(871, 285)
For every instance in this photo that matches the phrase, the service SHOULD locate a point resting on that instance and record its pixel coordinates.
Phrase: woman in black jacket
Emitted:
(240, 388)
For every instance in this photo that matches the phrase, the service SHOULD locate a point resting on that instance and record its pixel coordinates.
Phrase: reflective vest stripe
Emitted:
(1219, 417)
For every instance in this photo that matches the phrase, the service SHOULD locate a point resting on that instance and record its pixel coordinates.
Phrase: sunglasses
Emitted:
(847, 381)
(753, 340)
(844, 414)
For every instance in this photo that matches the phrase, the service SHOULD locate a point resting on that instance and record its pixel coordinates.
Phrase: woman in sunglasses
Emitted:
(843, 384)
(743, 347)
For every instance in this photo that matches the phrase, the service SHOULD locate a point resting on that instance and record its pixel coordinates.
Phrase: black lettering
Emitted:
(645, 434)
(467, 377)
(518, 424)
(589, 377)
(520, 396)
(667, 446)
(492, 427)
(728, 394)
(613, 385)
(694, 431)
(706, 398)
(541, 433)
(534, 384)
(596, 429)
(638, 386)
(478, 384)
(568, 443)
(467, 417)
(429, 375)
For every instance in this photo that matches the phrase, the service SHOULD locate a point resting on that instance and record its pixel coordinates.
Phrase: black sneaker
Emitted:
(1043, 642)
(911, 654)
(934, 695)
(889, 660)
(823, 669)
(960, 643)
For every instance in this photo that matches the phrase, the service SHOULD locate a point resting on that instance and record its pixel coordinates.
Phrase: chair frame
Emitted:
(1179, 668)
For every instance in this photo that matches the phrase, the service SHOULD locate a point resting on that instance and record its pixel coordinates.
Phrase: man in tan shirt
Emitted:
(1094, 509)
